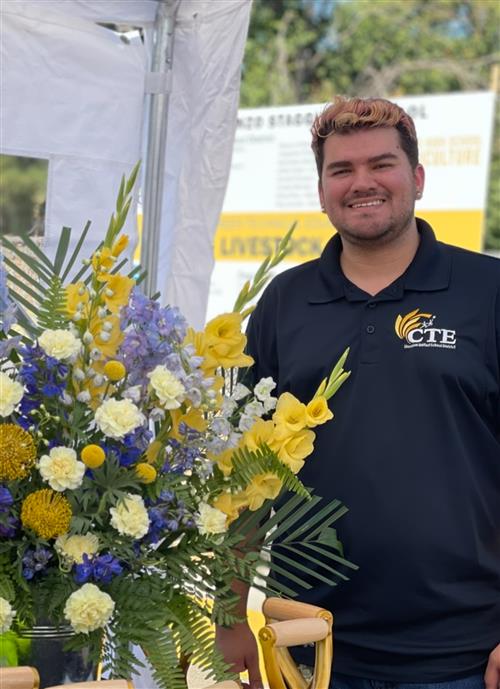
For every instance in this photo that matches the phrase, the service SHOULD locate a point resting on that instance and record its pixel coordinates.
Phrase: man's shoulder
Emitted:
(296, 275)
(476, 264)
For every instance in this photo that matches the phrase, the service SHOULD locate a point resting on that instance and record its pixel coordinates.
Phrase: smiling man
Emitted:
(414, 450)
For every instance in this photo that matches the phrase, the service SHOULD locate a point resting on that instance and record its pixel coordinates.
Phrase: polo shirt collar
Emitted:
(429, 271)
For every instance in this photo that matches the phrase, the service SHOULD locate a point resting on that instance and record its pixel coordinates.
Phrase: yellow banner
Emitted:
(251, 236)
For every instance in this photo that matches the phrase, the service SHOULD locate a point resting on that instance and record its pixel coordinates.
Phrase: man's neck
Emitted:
(374, 268)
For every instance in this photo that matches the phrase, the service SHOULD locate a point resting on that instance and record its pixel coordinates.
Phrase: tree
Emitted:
(303, 51)
(23, 184)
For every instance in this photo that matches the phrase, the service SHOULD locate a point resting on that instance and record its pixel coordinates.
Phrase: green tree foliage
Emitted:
(304, 51)
(23, 184)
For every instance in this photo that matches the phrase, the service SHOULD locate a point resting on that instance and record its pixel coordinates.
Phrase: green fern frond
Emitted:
(52, 313)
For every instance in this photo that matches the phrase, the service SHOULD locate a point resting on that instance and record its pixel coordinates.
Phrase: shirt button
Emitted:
(372, 304)
(370, 329)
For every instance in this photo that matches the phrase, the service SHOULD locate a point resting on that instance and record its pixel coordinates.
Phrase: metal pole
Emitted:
(156, 142)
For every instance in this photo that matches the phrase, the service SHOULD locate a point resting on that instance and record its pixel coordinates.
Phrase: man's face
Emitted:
(368, 187)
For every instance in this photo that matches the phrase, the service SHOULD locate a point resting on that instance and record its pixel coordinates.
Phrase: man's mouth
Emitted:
(366, 204)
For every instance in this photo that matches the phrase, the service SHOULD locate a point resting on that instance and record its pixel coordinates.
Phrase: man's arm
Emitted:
(237, 644)
(492, 674)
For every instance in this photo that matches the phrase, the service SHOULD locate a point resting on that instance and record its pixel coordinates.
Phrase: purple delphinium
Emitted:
(151, 335)
(129, 449)
(34, 561)
(8, 523)
(100, 568)
(166, 515)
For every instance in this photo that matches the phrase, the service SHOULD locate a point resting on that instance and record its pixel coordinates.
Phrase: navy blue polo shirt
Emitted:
(413, 451)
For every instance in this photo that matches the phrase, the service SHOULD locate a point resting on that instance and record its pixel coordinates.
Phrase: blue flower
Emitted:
(100, 568)
(34, 561)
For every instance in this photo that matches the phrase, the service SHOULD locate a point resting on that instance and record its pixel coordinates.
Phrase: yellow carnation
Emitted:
(92, 456)
(317, 412)
(225, 342)
(117, 418)
(130, 516)
(295, 449)
(11, 393)
(60, 344)
(73, 548)
(7, 614)
(262, 487)
(210, 520)
(146, 473)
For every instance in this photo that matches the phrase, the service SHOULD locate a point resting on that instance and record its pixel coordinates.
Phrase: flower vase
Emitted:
(43, 647)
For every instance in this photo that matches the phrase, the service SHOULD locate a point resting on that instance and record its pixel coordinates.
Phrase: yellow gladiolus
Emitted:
(117, 291)
(224, 461)
(262, 487)
(153, 451)
(290, 415)
(107, 341)
(231, 504)
(317, 412)
(146, 473)
(102, 260)
(77, 294)
(120, 245)
(295, 449)
(261, 432)
(225, 342)
(114, 370)
(92, 456)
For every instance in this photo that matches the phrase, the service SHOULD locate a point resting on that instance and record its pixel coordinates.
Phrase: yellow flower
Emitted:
(102, 260)
(107, 341)
(72, 548)
(47, 513)
(114, 370)
(120, 245)
(225, 342)
(76, 294)
(317, 412)
(116, 292)
(60, 344)
(210, 520)
(146, 473)
(17, 452)
(192, 418)
(262, 487)
(295, 449)
(261, 432)
(224, 461)
(130, 516)
(92, 456)
(290, 415)
(231, 504)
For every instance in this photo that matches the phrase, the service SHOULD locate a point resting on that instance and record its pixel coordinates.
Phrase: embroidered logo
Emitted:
(417, 329)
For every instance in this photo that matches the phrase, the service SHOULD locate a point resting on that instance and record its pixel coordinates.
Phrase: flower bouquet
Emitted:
(136, 471)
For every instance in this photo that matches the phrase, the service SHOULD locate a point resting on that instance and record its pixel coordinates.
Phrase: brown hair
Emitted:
(348, 114)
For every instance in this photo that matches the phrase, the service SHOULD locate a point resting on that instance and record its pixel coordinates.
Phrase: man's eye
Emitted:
(343, 171)
(381, 165)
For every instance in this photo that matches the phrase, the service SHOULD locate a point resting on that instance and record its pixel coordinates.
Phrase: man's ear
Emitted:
(419, 177)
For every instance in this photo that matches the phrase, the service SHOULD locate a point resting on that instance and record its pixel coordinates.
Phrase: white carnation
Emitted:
(210, 520)
(88, 609)
(117, 418)
(169, 389)
(264, 388)
(11, 393)
(7, 613)
(130, 516)
(61, 469)
(60, 344)
(73, 548)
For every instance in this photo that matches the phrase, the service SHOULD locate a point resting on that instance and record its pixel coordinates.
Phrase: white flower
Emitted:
(270, 403)
(7, 613)
(240, 391)
(130, 517)
(254, 409)
(220, 426)
(168, 388)
(133, 393)
(61, 469)
(263, 388)
(72, 548)
(246, 422)
(84, 396)
(116, 418)
(11, 393)
(228, 406)
(59, 344)
(210, 520)
(88, 609)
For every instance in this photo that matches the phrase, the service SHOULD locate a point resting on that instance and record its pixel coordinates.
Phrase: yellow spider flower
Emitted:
(17, 452)
(47, 513)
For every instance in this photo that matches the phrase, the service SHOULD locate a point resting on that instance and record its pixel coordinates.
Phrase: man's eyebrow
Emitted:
(348, 163)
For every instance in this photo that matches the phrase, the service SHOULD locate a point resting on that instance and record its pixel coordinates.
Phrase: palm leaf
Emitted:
(71, 261)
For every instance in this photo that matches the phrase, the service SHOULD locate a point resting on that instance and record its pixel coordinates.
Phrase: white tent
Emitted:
(76, 94)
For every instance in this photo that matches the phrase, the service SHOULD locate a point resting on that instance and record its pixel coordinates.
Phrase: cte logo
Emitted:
(417, 329)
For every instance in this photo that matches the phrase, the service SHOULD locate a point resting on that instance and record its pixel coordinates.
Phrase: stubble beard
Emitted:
(395, 228)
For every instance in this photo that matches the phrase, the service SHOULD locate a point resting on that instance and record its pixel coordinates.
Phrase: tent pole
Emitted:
(161, 69)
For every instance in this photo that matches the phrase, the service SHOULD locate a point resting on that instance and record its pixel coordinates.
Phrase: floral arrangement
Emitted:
(133, 463)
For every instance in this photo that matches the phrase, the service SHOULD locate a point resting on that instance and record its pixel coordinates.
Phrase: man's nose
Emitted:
(362, 180)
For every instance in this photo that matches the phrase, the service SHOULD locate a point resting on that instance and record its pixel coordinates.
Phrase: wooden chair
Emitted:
(291, 623)
(19, 678)
(98, 684)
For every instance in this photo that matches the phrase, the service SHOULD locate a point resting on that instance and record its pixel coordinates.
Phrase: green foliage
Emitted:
(22, 190)
(492, 240)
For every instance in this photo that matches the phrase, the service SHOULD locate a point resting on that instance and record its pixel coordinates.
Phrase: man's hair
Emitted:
(350, 114)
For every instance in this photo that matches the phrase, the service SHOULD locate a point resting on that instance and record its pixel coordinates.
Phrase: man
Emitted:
(414, 449)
